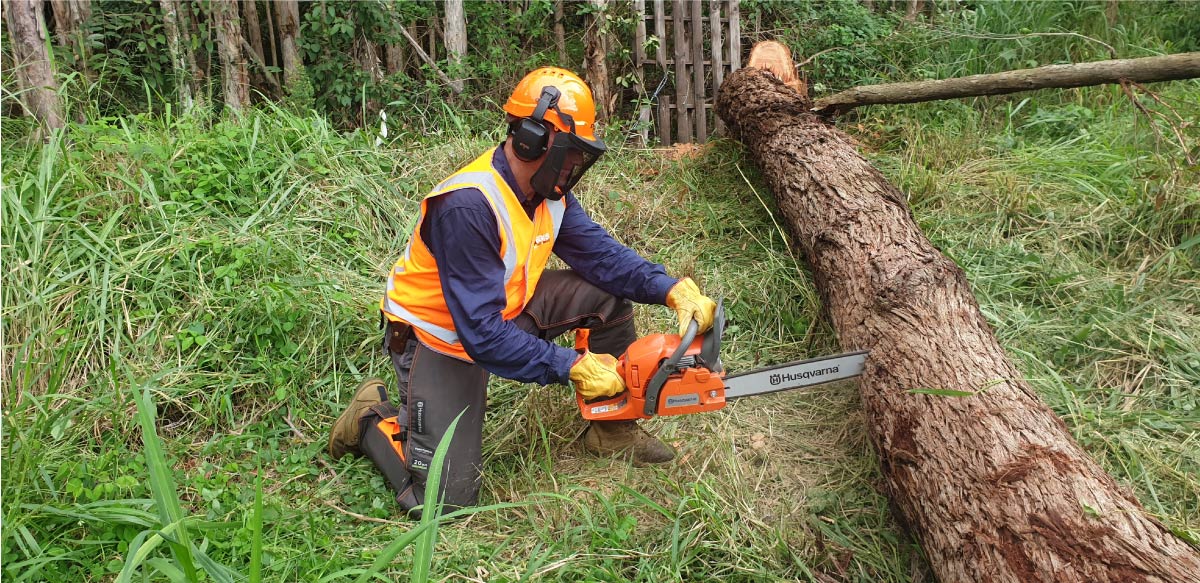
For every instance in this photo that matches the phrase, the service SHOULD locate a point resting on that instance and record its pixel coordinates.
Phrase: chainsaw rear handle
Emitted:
(669, 366)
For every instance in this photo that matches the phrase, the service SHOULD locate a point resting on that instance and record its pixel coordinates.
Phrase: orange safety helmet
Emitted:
(575, 100)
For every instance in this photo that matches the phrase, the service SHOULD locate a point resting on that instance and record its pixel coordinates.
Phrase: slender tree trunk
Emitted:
(272, 58)
(395, 56)
(253, 36)
(434, 23)
(456, 40)
(289, 41)
(234, 75)
(366, 54)
(596, 57)
(253, 26)
(34, 69)
(989, 481)
(560, 33)
(189, 34)
(69, 18)
(915, 7)
(176, 48)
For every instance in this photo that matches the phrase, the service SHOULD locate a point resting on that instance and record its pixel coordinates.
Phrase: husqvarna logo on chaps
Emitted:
(786, 377)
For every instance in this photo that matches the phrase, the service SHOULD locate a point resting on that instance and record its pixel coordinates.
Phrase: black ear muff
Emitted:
(529, 139)
(530, 134)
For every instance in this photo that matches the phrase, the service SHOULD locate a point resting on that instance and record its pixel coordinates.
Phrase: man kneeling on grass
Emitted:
(472, 296)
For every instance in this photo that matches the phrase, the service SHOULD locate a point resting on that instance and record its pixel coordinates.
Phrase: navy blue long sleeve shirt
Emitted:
(460, 230)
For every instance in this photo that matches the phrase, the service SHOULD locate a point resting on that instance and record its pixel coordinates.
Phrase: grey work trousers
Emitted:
(435, 388)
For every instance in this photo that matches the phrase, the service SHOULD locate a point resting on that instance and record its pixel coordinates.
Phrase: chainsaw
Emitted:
(666, 374)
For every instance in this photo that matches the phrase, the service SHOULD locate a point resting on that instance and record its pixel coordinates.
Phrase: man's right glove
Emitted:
(689, 304)
(595, 376)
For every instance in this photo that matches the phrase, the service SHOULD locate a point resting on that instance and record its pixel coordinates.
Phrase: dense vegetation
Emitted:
(188, 302)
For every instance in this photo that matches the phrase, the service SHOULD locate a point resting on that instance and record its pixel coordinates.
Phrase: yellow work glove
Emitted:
(689, 304)
(595, 376)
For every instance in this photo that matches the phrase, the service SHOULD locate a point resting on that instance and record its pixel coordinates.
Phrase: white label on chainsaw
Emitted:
(794, 375)
(610, 407)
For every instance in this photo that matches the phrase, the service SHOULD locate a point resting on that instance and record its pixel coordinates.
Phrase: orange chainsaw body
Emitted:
(688, 387)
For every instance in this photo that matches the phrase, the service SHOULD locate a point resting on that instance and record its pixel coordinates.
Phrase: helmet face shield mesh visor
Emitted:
(569, 157)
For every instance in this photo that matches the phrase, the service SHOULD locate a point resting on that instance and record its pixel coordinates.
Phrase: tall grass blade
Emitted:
(432, 509)
(162, 485)
(256, 535)
(140, 548)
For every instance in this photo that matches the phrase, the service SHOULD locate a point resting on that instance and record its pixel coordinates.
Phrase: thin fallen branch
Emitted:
(258, 62)
(1143, 70)
(330, 504)
(1176, 124)
(428, 61)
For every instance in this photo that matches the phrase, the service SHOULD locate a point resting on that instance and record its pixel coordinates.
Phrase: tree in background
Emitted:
(596, 57)
(176, 27)
(288, 12)
(69, 18)
(34, 69)
(254, 48)
(235, 79)
(456, 40)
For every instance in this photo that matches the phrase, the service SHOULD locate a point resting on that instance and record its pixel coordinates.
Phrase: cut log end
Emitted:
(775, 58)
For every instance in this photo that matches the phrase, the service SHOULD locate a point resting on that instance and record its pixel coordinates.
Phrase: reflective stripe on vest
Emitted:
(481, 176)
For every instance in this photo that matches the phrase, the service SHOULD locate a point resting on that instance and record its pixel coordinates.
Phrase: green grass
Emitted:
(187, 305)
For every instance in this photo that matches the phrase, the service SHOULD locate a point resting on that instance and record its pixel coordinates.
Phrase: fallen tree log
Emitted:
(983, 474)
(1143, 70)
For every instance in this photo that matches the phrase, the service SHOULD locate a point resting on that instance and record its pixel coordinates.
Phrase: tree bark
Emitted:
(395, 57)
(456, 40)
(1143, 70)
(366, 54)
(273, 57)
(560, 33)
(987, 479)
(178, 48)
(289, 41)
(915, 7)
(254, 42)
(234, 75)
(69, 17)
(595, 67)
(35, 71)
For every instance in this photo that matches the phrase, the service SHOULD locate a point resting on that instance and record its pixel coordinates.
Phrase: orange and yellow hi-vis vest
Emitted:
(414, 291)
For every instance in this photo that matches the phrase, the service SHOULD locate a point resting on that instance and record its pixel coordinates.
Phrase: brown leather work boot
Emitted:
(347, 431)
(614, 438)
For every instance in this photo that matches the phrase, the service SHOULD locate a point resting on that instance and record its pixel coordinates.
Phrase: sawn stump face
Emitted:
(992, 485)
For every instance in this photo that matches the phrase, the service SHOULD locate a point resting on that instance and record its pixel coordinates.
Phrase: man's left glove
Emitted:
(689, 304)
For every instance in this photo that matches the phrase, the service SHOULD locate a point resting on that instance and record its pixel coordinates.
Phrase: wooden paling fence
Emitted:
(692, 45)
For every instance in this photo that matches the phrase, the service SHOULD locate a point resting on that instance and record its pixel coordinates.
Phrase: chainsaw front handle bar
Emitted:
(669, 367)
